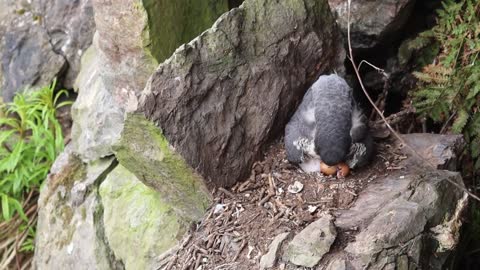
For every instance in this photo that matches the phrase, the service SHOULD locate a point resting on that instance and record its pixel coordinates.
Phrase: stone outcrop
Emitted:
(371, 21)
(100, 216)
(124, 54)
(409, 219)
(41, 41)
(308, 246)
(70, 26)
(69, 228)
(219, 98)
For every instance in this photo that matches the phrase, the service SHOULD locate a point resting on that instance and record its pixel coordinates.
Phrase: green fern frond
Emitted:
(460, 121)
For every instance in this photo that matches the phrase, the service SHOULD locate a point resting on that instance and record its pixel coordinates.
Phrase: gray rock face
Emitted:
(43, 40)
(309, 246)
(68, 231)
(70, 27)
(407, 220)
(401, 221)
(268, 260)
(441, 151)
(114, 68)
(408, 214)
(219, 98)
(371, 21)
(27, 57)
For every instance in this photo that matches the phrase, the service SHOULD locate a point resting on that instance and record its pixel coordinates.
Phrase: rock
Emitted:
(174, 23)
(70, 26)
(405, 220)
(97, 114)
(407, 214)
(139, 226)
(27, 57)
(442, 151)
(41, 41)
(308, 246)
(219, 98)
(372, 22)
(337, 265)
(68, 233)
(268, 260)
(149, 156)
(89, 211)
(128, 44)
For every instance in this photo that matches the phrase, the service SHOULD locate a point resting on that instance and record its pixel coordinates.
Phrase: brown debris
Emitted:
(244, 219)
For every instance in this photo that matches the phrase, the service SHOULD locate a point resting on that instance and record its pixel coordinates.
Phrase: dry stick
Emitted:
(350, 57)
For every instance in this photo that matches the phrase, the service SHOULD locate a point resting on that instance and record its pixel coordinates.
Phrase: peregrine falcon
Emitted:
(328, 126)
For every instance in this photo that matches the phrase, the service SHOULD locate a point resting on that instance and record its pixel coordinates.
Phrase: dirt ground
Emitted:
(243, 220)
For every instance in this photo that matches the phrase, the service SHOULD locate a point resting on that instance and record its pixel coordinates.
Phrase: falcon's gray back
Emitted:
(321, 125)
(333, 101)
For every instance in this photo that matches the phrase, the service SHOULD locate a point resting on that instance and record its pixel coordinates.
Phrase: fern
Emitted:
(449, 88)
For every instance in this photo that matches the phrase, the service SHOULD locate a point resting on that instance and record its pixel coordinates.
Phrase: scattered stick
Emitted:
(244, 244)
(226, 192)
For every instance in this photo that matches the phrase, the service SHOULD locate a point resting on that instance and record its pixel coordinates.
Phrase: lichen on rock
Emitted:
(139, 225)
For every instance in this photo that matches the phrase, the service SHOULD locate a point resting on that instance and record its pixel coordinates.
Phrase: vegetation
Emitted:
(449, 91)
(30, 140)
(449, 88)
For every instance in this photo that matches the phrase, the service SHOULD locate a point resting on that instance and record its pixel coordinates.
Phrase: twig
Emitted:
(357, 73)
(447, 122)
(396, 117)
(226, 192)
(244, 244)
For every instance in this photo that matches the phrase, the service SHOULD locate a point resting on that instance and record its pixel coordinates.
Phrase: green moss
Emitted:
(172, 23)
(66, 214)
(135, 214)
(145, 151)
(66, 236)
(73, 171)
(83, 212)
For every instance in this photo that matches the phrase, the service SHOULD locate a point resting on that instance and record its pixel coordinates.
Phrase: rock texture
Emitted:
(441, 151)
(138, 225)
(100, 216)
(70, 26)
(42, 40)
(219, 98)
(147, 154)
(124, 54)
(407, 220)
(372, 21)
(27, 57)
(68, 229)
(95, 214)
(395, 219)
(268, 260)
(308, 247)
(116, 67)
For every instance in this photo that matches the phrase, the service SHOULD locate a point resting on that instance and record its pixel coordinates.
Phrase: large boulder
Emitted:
(222, 96)
(132, 37)
(70, 26)
(100, 216)
(27, 56)
(69, 229)
(398, 221)
(91, 207)
(372, 21)
(408, 219)
(41, 41)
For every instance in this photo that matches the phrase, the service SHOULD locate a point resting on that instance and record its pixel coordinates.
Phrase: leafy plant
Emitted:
(448, 89)
(30, 140)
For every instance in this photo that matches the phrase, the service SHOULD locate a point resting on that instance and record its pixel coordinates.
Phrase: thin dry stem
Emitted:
(352, 60)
